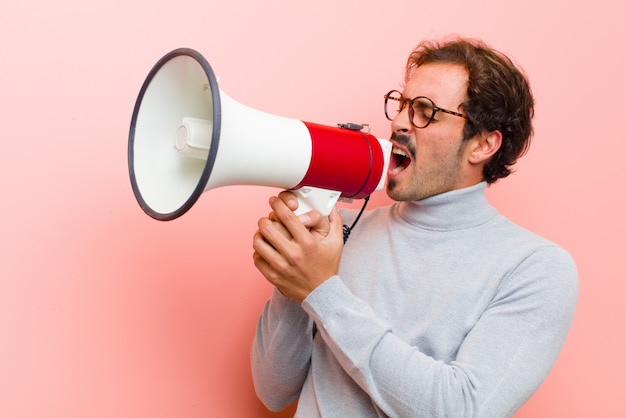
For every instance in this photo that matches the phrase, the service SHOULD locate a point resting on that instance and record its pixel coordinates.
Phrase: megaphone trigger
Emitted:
(314, 198)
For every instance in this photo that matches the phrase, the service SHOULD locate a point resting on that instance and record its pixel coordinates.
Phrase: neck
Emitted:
(457, 209)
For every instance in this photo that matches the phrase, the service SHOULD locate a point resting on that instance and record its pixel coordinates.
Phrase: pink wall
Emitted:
(105, 312)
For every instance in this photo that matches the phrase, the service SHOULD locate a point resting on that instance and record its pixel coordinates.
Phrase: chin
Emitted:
(394, 191)
(397, 192)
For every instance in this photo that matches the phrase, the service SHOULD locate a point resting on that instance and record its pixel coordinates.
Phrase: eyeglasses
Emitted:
(421, 109)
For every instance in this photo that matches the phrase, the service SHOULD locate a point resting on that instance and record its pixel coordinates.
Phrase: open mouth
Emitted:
(399, 160)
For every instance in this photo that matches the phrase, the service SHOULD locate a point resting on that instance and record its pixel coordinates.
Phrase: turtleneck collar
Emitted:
(457, 209)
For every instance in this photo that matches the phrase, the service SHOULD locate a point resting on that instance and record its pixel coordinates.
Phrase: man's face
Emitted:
(431, 160)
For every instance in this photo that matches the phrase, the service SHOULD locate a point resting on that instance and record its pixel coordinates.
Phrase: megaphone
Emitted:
(187, 137)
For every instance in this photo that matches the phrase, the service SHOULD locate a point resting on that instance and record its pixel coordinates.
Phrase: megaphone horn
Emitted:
(187, 136)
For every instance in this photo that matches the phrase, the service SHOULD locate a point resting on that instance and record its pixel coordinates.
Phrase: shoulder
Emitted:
(537, 264)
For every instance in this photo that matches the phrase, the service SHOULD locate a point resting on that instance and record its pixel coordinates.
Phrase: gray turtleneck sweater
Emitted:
(442, 307)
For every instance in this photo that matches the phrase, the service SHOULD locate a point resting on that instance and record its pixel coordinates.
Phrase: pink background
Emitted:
(105, 312)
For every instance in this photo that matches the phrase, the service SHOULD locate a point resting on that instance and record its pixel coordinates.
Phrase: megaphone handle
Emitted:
(314, 198)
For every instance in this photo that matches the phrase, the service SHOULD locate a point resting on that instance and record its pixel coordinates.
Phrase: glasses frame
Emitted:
(404, 101)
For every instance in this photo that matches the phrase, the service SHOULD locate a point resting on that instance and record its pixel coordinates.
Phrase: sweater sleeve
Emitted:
(501, 362)
(281, 351)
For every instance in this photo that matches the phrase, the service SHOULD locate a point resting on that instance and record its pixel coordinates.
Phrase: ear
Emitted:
(484, 146)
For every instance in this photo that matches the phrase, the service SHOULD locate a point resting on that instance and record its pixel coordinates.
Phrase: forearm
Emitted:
(281, 351)
(487, 378)
(398, 377)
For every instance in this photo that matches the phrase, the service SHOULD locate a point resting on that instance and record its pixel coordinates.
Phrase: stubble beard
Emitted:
(393, 188)
(443, 179)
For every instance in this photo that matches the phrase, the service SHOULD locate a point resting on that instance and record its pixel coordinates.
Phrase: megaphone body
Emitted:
(187, 137)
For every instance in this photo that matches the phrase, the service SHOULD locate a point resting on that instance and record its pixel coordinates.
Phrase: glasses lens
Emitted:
(422, 111)
(393, 104)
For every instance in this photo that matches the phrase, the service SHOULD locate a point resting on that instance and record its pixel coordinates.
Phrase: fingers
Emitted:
(283, 213)
(282, 231)
(274, 236)
(275, 224)
(265, 256)
(290, 199)
(336, 222)
(296, 254)
(303, 227)
(265, 268)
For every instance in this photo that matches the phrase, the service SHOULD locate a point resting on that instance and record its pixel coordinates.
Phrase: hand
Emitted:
(297, 254)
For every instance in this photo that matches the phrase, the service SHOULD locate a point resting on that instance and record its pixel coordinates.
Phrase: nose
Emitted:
(401, 123)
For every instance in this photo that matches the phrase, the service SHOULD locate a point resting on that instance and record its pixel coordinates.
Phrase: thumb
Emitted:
(336, 224)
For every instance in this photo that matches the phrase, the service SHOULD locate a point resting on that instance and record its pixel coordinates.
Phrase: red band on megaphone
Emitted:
(344, 160)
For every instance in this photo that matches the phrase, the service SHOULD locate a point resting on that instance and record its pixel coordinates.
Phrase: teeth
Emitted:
(399, 152)
(401, 161)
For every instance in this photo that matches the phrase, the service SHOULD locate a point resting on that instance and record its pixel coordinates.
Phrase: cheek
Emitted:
(437, 152)
(429, 151)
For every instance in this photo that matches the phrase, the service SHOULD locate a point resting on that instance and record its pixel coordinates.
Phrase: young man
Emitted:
(437, 305)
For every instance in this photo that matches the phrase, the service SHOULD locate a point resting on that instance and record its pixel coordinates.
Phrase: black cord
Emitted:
(346, 229)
